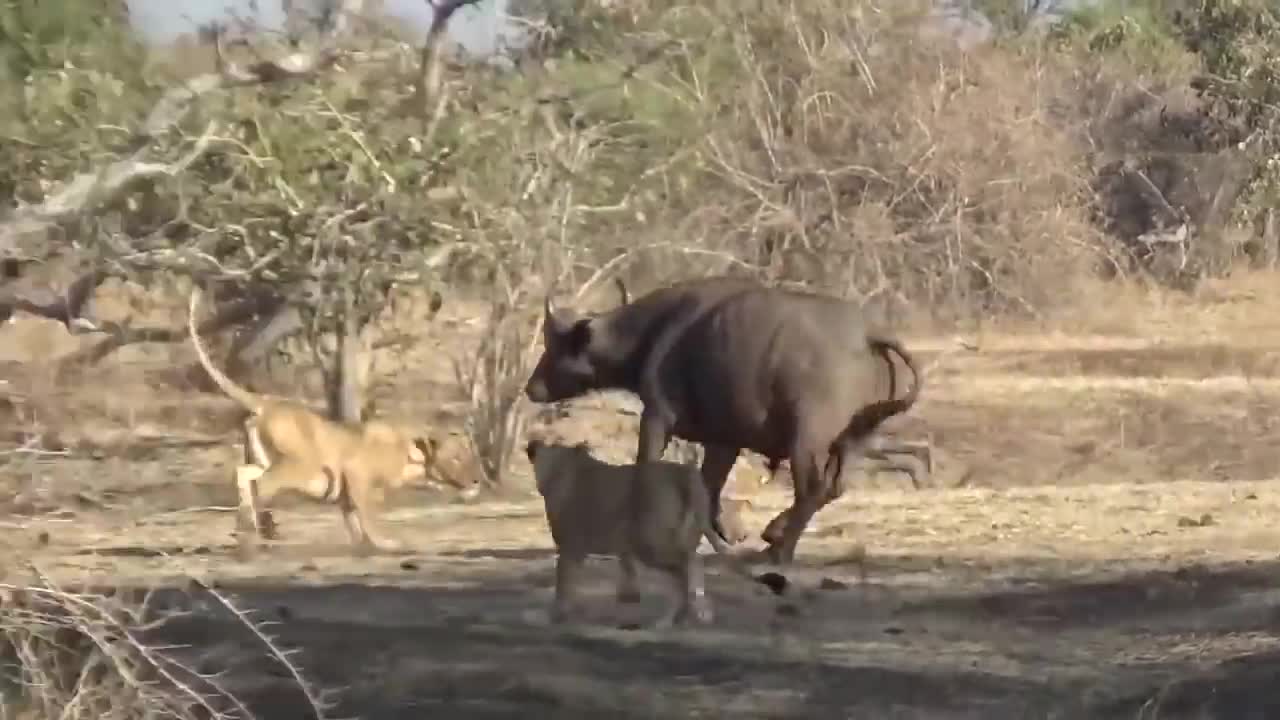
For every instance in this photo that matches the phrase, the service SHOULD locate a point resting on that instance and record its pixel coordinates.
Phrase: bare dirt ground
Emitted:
(1100, 541)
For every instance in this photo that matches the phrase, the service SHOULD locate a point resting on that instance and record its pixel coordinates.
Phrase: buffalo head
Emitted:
(565, 369)
(569, 366)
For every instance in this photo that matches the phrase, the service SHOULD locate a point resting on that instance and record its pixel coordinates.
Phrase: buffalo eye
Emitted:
(579, 336)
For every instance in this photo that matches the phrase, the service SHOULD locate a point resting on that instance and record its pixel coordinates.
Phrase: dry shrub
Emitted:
(492, 381)
(68, 654)
(855, 155)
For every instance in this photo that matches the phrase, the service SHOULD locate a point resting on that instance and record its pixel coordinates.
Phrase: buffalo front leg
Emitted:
(655, 433)
(654, 436)
(717, 461)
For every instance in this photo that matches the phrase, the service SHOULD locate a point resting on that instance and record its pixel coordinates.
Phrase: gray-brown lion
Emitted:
(295, 448)
(598, 508)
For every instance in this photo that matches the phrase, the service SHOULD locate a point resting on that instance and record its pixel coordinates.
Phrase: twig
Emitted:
(428, 84)
(317, 705)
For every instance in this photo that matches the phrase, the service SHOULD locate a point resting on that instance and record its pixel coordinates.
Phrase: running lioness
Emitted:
(295, 448)
(597, 508)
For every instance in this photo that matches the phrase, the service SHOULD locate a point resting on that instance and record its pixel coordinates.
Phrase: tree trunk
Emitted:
(350, 402)
(344, 387)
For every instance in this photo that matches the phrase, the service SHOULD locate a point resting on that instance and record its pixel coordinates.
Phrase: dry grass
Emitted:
(1100, 532)
(93, 654)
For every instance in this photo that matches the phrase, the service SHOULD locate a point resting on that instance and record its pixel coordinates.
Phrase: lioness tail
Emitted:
(251, 402)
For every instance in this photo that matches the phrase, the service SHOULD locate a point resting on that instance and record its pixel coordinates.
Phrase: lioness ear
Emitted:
(531, 448)
(426, 447)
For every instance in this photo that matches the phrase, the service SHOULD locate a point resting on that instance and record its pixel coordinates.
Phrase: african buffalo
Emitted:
(734, 365)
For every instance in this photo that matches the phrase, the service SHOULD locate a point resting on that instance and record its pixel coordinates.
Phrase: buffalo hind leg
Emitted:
(810, 495)
(717, 461)
(829, 489)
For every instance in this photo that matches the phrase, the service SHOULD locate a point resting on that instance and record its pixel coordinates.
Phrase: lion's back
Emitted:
(587, 509)
(667, 510)
(604, 509)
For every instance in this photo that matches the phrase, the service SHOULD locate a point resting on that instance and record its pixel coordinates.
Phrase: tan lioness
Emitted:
(598, 508)
(295, 448)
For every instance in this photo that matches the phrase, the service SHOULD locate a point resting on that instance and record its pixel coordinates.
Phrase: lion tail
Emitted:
(248, 400)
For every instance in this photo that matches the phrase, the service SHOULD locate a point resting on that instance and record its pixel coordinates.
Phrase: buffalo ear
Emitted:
(580, 335)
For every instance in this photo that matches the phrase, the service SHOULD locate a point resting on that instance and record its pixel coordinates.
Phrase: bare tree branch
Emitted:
(66, 307)
(122, 335)
(89, 191)
(28, 225)
(428, 86)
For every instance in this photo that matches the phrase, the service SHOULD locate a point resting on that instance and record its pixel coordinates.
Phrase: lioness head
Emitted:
(450, 462)
(420, 449)
(423, 450)
(548, 457)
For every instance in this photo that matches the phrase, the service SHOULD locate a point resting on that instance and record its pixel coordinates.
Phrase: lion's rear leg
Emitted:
(628, 582)
(249, 515)
(688, 595)
(255, 454)
(257, 487)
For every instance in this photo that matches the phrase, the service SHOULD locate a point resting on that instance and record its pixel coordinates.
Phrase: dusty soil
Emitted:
(1099, 541)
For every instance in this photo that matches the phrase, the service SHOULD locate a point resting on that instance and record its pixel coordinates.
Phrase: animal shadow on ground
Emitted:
(1241, 688)
(501, 553)
(440, 650)
(480, 648)
(1143, 597)
(1206, 602)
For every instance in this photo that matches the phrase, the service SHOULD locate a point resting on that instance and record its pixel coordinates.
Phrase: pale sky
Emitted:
(475, 27)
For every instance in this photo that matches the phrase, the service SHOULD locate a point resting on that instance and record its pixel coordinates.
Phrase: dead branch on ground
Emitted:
(79, 654)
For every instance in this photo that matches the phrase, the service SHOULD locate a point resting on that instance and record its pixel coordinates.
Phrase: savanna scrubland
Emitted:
(1072, 225)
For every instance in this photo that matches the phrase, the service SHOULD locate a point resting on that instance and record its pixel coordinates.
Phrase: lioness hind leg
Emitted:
(258, 486)
(563, 606)
(696, 596)
(628, 582)
(250, 515)
(688, 598)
